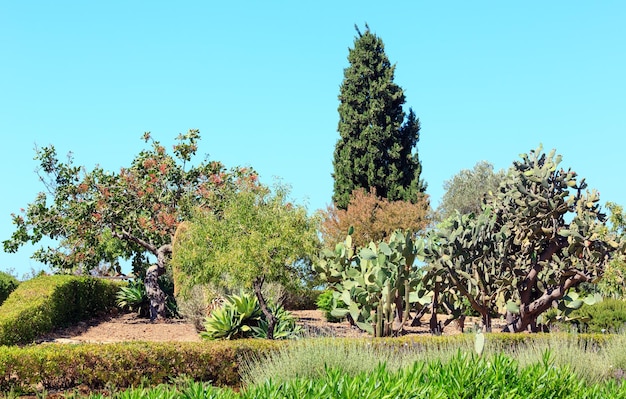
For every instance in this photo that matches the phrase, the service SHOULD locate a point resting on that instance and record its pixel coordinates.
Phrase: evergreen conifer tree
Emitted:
(377, 138)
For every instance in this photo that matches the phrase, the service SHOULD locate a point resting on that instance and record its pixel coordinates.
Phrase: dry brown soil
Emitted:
(130, 327)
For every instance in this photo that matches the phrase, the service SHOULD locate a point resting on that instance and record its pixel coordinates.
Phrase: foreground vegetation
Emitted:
(462, 376)
(569, 365)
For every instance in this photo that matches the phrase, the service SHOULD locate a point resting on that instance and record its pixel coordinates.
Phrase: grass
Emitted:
(311, 358)
(463, 375)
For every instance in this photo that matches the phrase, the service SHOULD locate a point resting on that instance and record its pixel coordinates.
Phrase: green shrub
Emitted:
(606, 316)
(461, 376)
(241, 317)
(95, 366)
(41, 304)
(134, 298)
(8, 284)
(301, 299)
(325, 304)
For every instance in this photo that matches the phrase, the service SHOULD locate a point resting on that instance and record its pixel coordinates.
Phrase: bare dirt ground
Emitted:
(129, 327)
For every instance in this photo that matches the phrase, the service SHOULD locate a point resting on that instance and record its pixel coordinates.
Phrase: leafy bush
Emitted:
(193, 304)
(285, 328)
(241, 317)
(325, 304)
(95, 366)
(8, 284)
(41, 304)
(462, 376)
(606, 316)
(134, 297)
(301, 299)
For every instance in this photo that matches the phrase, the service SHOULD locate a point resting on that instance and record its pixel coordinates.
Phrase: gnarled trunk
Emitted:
(271, 319)
(156, 296)
(529, 311)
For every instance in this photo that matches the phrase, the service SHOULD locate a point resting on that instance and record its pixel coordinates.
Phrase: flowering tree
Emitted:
(97, 217)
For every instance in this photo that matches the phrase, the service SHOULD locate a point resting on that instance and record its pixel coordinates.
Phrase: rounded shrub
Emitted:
(606, 316)
(8, 284)
(325, 304)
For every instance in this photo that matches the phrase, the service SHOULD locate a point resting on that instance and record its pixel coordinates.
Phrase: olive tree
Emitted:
(467, 191)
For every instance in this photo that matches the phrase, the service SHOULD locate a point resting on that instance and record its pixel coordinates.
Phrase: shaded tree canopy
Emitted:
(377, 139)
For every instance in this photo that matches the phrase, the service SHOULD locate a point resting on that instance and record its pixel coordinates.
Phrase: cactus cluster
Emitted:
(537, 238)
(379, 283)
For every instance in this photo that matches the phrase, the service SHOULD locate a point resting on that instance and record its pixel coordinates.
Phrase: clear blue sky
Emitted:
(488, 80)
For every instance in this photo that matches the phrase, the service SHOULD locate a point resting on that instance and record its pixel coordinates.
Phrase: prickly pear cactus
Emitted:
(378, 283)
(539, 236)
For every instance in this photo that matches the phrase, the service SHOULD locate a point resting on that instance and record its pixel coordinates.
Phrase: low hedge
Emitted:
(54, 366)
(41, 304)
(65, 366)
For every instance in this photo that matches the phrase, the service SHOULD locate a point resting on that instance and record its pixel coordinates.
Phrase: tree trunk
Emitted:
(435, 326)
(486, 320)
(529, 311)
(271, 319)
(155, 293)
(157, 297)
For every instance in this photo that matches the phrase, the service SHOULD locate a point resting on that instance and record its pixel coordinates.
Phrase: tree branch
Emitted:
(124, 235)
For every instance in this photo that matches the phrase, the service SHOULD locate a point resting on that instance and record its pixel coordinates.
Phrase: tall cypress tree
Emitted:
(376, 143)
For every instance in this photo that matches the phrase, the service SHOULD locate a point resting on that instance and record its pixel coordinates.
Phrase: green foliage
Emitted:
(325, 304)
(134, 298)
(462, 376)
(241, 317)
(286, 327)
(376, 143)
(8, 284)
(613, 283)
(259, 237)
(99, 217)
(122, 365)
(606, 316)
(593, 359)
(39, 305)
(538, 236)
(466, 191)
(375, 283)
(260, 234)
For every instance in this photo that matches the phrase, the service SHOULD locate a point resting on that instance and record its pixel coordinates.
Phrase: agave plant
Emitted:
(246, 306)
(223, 324)
(241, 317)
(133, 297)
(285, 328)
(234, 319)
